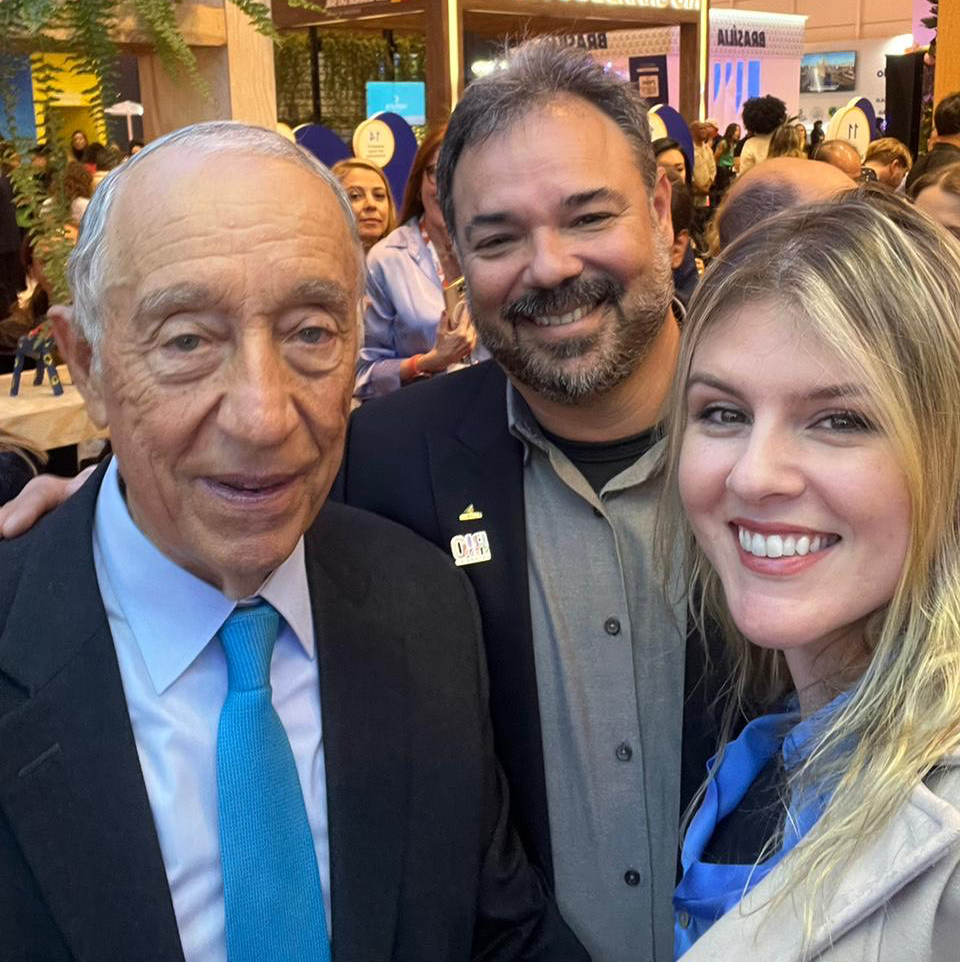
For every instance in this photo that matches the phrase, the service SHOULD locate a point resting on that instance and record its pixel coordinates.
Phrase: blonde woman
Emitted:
(813, 482)
(370, 197)
(785, 141)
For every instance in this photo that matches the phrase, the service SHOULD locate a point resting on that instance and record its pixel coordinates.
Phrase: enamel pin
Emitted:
(470, 549)
(470, 513)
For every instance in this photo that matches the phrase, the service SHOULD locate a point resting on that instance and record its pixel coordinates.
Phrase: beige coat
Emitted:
(898, 900)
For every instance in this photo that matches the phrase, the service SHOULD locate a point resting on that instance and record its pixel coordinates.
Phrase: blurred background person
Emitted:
(78, 187)
(840, 154)
(408, 333)
(370, 197)
(785, 141)
(944, 144)
(937, 194)
(802, 137)
(704, 162)
(814, 480)
(78, 144)
(683, 255)
(887, 161)
(773, 186)
(761, 117)
(101, 160)
(670, 156)
(816, 136)
(723, 154)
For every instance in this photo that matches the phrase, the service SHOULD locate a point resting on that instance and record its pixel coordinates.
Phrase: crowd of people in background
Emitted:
(725, 573)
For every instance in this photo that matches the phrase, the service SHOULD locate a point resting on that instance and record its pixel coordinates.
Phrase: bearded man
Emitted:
(538, 472)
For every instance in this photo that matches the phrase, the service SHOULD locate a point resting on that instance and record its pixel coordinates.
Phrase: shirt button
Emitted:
(631, 877)
(612, 626)
(683, 920)
(624, 752)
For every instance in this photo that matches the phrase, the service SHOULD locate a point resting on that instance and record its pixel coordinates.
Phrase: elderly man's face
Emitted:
(228, 357)
(565, 252)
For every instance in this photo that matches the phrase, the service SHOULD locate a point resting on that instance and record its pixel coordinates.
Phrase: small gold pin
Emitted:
(470, 513)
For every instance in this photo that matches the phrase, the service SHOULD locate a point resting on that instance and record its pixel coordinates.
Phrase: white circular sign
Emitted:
(373, 140)
(658, 128)
(850, 123)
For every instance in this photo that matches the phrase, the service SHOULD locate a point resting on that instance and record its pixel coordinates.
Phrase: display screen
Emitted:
(823, 73)
(407, 98)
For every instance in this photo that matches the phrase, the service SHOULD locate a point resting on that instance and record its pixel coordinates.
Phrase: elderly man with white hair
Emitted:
(237, 724)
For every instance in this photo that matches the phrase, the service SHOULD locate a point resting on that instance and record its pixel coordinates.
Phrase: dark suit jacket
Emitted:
(420, 456)
(423, 861)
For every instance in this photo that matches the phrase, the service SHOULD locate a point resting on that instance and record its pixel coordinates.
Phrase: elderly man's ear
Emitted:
(79, 357)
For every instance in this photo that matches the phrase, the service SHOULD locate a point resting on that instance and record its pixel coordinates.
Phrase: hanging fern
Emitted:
(83, 29)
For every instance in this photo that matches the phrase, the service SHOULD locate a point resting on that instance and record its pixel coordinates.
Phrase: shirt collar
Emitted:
(524, 426)
(172, 613)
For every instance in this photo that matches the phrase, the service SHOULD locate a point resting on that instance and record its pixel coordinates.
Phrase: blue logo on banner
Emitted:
(408, 99)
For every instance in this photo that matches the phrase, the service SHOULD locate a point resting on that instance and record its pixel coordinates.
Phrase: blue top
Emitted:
(708, 889)
(401, 309)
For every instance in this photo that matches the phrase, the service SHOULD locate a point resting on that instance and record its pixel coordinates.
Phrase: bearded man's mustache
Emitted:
(565, 298)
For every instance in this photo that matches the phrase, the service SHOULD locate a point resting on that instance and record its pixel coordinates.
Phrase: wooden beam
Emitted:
(947, 77)
(689, 93)
(443, 58)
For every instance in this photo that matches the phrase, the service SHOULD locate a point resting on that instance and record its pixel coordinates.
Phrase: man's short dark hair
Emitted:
(762, 115)
(946, 118)
(946, 177)
(537, 72)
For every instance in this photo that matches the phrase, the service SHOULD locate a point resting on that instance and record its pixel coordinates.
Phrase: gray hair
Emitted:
(537, 71)
(88, 267)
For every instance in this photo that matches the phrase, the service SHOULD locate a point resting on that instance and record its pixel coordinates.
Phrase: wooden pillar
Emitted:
(689, 71)
(444, 57)
(947, 76)
(694, 66)
(235, 61)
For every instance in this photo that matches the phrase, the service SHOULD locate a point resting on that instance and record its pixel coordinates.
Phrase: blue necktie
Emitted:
(271, 884)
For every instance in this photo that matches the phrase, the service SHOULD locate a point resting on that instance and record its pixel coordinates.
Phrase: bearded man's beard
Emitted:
(578, 368)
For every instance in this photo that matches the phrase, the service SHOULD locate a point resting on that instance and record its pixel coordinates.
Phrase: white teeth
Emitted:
(782, 546)
(559, 320)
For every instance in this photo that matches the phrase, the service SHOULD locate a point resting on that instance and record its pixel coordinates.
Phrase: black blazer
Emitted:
(424, 865)
(420, 456)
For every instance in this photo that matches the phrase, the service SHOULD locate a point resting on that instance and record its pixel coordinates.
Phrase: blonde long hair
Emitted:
(879, 284)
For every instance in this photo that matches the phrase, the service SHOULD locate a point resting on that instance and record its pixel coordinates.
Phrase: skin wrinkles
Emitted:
(227, 413)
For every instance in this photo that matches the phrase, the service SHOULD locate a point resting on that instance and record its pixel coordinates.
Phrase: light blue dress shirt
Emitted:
(164, 621)
(402, 308)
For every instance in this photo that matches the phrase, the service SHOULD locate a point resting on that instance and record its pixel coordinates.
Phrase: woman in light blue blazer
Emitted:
(407, 333)
(813, 479)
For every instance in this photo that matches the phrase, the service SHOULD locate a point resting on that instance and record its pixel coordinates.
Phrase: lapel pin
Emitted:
(470, 513)
(470, 549)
